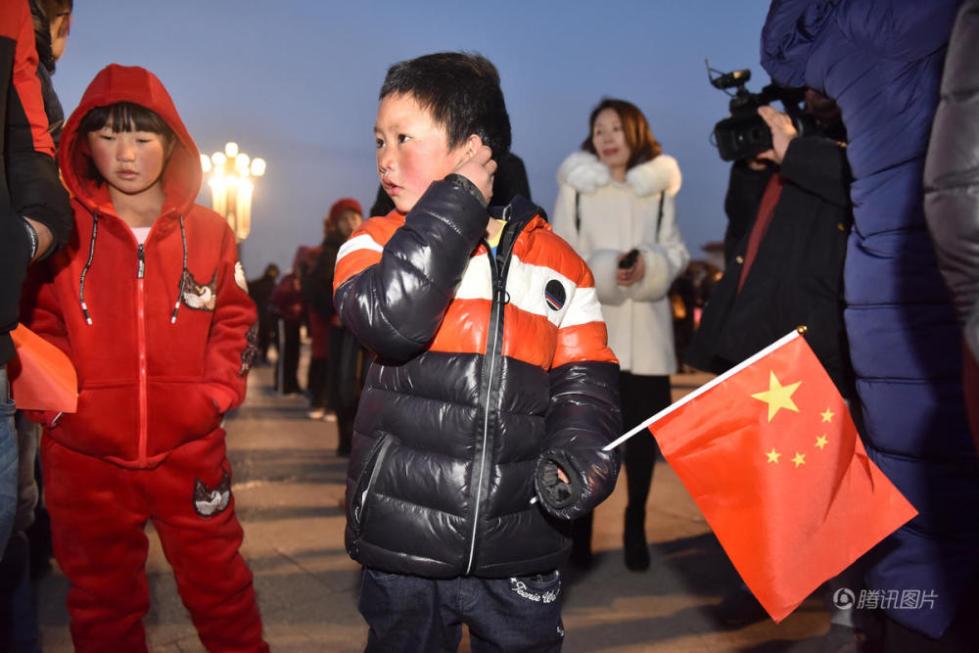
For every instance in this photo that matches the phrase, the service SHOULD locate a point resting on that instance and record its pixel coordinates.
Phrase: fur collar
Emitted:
(586, 174)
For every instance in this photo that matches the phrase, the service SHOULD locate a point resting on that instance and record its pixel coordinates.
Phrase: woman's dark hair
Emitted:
(461, 90)
(643, 146)
(123, 117)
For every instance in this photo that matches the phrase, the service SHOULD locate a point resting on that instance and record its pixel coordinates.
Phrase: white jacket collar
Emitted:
(585, 173)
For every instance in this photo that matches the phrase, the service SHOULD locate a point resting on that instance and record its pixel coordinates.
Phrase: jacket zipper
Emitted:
(141, 339)
(498, 269)
(360, 511)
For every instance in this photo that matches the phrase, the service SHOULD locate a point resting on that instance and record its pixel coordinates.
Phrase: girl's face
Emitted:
(131, 162)
(608, 139)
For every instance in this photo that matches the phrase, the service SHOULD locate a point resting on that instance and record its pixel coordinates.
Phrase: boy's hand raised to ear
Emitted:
(479, 169)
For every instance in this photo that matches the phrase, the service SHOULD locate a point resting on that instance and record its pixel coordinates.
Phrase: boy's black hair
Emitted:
(462, 91)
(124, 117)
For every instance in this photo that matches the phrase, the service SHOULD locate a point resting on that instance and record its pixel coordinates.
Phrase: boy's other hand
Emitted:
(479, 169)
(562, 475)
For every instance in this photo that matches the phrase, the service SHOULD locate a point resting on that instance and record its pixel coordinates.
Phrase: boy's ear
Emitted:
(473, 143)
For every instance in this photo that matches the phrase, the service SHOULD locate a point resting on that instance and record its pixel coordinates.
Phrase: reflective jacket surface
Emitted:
(485, 365)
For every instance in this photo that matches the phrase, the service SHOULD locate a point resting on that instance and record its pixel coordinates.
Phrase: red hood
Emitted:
(115, 83)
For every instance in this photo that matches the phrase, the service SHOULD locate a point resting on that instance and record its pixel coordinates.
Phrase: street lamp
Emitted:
(230, 176)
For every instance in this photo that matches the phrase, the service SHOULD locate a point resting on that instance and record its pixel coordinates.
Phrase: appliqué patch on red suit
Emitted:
(240, 278)
(198, 296)
(250, 352)
(209, 502)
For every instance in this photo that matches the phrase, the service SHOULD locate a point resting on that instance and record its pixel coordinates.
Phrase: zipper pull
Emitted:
(141, 267)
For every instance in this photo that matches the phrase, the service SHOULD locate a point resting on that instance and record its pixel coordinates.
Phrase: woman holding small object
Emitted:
(616, 206)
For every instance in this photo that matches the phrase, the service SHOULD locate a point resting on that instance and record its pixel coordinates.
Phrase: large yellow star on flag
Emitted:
(778, 396)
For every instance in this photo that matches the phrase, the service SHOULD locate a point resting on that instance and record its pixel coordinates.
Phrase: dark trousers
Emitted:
(267, 329)
(409, 614)
(345, 377)
(642, 397)
(316, 382)
(286, 377)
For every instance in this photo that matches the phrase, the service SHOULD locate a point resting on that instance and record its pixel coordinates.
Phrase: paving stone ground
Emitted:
(289, 490)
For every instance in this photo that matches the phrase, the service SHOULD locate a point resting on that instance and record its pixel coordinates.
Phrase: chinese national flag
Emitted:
(770, 455)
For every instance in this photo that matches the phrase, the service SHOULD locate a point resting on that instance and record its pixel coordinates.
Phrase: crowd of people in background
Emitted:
(825, 228)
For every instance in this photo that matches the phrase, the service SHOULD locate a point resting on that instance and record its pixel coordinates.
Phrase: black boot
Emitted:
(634, 542)
(581, 556)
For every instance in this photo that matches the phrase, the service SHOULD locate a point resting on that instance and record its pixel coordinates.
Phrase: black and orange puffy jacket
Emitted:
(487, 366)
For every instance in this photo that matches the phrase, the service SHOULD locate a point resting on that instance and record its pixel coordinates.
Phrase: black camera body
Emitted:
(744, 134)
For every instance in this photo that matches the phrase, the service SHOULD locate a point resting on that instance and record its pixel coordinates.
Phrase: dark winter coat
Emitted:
(952, 188)
(745, 189)
(318, 281)
(881, 61)
(29, 184)
(797, 276)
(488, 367)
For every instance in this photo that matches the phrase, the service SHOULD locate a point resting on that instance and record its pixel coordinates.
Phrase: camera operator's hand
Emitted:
(633, 275)
(783, 132)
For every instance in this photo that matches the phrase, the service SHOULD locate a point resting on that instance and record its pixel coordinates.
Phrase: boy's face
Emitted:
(131, 162)
(412, 150)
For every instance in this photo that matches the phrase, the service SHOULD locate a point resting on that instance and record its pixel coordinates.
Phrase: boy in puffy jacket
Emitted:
(480, 430)
(149, 302)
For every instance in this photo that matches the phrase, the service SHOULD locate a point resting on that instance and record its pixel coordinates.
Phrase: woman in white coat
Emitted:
(616, 206)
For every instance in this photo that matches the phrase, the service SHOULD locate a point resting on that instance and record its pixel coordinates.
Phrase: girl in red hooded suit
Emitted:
(149, 302)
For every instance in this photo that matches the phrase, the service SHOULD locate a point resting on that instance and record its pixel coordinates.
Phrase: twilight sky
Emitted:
(296, 82)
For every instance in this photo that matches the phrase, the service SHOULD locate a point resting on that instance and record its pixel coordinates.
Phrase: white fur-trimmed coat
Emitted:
(615, 217)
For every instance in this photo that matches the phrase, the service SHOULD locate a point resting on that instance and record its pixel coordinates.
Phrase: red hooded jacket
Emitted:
(162, 333)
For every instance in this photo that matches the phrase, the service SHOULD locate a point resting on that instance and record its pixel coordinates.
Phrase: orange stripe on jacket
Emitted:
(528, 336)
(555, 253)
(586, 342)
(364, 247)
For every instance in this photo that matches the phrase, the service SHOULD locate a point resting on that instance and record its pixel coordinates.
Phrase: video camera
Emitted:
(744, 134)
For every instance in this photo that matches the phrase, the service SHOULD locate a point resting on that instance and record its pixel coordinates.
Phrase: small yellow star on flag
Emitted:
(777, 396)
(828, 416)
(800, 459)
(821, 442)
(773, 455)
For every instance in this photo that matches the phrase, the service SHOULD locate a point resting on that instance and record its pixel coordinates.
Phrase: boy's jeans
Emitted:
(8, 460)
(410, 614)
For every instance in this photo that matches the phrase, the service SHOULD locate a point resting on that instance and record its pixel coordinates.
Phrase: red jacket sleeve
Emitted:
(231, 345)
